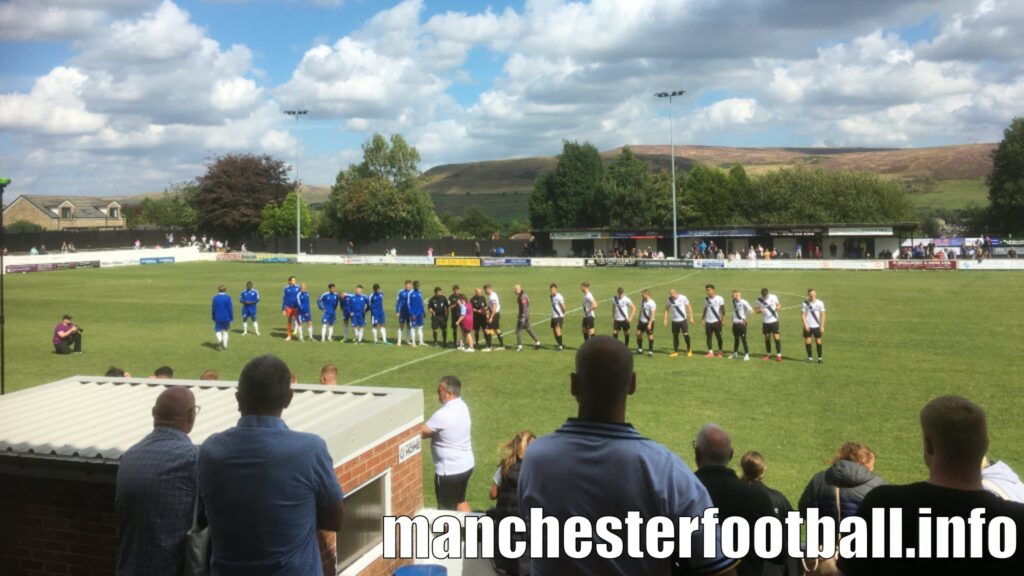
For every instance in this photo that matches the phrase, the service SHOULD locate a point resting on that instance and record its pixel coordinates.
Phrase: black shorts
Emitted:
(620, 325)
(451, 490)
(739, 329)
(680, 328)
(816, 332)
(495, 323)
(645, 327)
(557, 322)
(455, 321)
(479, 321)
(772, 328)
(588, 322)
(713, 327)
(438, 323)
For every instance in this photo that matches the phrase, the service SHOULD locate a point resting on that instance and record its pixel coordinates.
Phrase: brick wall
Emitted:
(406, 492)
(50, 527)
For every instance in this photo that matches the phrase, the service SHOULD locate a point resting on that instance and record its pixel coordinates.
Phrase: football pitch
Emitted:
(894, 340)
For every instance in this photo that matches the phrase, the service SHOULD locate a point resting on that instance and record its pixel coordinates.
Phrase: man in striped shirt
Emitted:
(589, 306)
(741, 310)
(646, 323)
(623, 312)
(557, 314)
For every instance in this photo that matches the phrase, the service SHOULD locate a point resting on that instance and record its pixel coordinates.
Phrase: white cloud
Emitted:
(38, 20)
(54, 106)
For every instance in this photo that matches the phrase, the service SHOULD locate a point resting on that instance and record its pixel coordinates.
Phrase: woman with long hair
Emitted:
(504, 489)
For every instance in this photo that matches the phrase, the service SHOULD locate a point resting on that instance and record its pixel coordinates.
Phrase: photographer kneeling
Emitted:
(66, 335)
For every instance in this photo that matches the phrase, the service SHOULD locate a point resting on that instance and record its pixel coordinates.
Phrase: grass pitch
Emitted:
(894, 340)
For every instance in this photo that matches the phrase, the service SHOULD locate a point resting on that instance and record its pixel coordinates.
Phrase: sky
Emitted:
(109, 97)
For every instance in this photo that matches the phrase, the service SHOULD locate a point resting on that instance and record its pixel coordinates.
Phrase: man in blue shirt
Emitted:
(377, 316)
(416, 313)
(290, 305)
(156, 490)
(346, 314)
(305, 315)
(328, 304)
(267, 489)
(223, 312)
(566, 473)
(402, 311)
(249, 298)
(357, 304)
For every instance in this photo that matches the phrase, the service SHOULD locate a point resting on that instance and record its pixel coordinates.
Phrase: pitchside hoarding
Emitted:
(922, 264)
(458, 262)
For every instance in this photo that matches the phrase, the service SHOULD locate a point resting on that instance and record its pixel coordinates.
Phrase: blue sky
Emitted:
(126, 96)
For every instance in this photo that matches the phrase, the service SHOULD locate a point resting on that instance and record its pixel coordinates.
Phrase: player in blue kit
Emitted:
(357, 305)
(328, 304)
(305, 315)
(249, 298)
(346, 316)
(377, 316)
(223, 312)
(402, 310)
(416, 313)
(290, 305)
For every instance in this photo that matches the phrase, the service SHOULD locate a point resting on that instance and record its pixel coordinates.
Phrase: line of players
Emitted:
(469, 315)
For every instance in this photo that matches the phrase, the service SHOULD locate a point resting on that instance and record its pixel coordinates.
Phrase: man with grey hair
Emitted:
(712, 451)
(523, 319)
(156, 490)
(955, 435)
(451, 445)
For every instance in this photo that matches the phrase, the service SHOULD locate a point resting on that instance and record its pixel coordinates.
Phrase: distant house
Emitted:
(66, 212)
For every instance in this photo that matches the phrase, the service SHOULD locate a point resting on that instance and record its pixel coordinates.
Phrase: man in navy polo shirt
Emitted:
(267, 489)
(567, 473)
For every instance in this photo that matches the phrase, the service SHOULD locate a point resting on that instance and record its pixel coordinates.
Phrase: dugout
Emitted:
(60, 444)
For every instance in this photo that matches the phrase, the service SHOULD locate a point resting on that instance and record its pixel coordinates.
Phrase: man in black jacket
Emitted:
(712, 452)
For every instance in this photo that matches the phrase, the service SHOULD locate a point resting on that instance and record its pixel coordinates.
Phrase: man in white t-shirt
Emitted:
(678, 308)
(714, 311)
(589, 305)
(493, 327)
(768, 307)
(451, 446)
(623, 311)
(557, 314)
(741, 310)
(646, 323)
(813, 312)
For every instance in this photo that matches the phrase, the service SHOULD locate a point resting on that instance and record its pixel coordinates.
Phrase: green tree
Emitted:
(573, 195)
(172, 208)
(637, 197)
(380, 197)
(235, 189)
(1006, 182)
(474, 223)
(278, 220)
(22, 226)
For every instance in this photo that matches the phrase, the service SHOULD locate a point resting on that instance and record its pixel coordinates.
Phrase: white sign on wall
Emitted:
(409, 448)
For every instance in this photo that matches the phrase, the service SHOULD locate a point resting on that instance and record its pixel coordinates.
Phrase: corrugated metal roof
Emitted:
(97, 419)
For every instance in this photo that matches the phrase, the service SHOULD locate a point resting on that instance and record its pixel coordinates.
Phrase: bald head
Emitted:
(603, 379)
(175, 407)
(713, 446)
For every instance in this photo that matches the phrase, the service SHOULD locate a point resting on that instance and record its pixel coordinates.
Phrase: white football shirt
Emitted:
(492, 299)
(588, 305)
(817, 307)
(740, 310)
(769, 308)
(712, 308)
(677, 307)
(647, 309)
(557, 306)
(620, 306)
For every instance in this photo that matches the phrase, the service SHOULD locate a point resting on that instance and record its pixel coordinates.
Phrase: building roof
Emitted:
(92, 419)
(85, 206)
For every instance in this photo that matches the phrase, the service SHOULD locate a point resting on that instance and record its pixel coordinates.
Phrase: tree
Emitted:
(278, 220)
(573, 195)
(172, 209)
(637, 197)
(235, 189)
(474, 223)
(22, 226)
(1006, 182)
(380, 197)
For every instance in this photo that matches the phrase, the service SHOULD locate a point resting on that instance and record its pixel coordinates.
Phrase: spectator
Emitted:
(329, 375)
(267, 489)
(115, 372)
(210, 374)
(999, 479)
(955, 442)
(156, 490)
(505, 489)
(67, 337)
(451, 446)
(567, 473)
(164, 372)
(712, 451)
(754, 469)
(851, 472)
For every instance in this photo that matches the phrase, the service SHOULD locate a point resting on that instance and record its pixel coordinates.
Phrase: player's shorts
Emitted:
(495, 322)
(739, 329)
(557, 321)
(816, 332)
(329, 319)
(588, 323)
(770, 328)
(346, 315)
(221, 326)
(415, 321)
(681, 327)
(479, 321)
(451, 490)
(403, 317)
(359, 319)
(291, 311)
(378, 318)
(305, 317)
(620, 325)
(248, 312)
(713, 327)
(438, 323)
(456, 320)
(645, 327)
